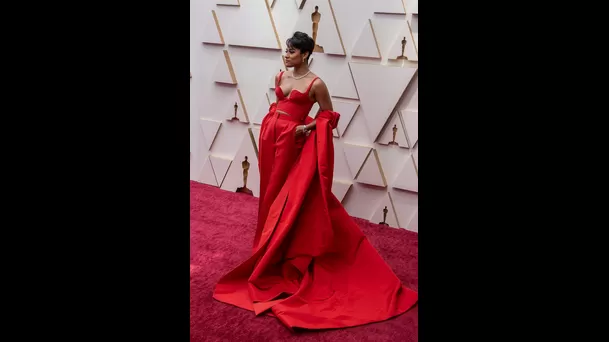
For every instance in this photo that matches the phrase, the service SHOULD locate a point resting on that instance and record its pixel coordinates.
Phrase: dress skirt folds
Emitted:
(311, 265)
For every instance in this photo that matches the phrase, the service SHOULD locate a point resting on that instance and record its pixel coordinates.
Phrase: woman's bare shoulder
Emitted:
(281, 74)
(318, 82)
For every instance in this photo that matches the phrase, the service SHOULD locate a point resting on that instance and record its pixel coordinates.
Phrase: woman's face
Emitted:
(293, 57)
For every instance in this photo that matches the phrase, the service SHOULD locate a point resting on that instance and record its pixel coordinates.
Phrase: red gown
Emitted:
(311, 266)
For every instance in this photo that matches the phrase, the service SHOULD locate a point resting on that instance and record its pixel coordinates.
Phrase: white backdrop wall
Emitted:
(236, 50)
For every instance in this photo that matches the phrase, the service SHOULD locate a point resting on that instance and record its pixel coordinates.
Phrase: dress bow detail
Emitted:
(329, 115)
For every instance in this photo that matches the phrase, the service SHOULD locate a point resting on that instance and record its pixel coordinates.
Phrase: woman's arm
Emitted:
(322, 96)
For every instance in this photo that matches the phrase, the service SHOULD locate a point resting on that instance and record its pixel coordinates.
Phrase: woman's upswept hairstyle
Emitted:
(302, 42)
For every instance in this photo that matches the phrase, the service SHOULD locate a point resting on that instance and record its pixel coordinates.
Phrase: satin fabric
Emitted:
(311, 265)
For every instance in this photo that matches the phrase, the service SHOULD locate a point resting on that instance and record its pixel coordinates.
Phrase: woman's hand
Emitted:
(302, 130)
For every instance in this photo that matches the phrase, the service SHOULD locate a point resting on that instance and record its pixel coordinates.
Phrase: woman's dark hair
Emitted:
(302, 42)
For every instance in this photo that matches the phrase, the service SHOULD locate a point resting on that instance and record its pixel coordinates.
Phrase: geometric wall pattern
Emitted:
(367, 54)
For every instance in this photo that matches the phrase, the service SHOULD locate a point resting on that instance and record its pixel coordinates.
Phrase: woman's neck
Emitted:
(301, 69)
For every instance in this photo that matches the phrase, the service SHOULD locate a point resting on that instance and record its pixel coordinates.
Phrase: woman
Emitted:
(311, 267)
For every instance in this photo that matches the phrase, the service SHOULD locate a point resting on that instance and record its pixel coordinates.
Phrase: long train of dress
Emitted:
(311, 266)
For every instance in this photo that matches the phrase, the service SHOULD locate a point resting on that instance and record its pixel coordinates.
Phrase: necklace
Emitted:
(299, 77)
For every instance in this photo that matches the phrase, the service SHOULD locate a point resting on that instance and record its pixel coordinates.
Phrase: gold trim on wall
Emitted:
(212, 170)
(231, 70)
(394, 13)
(365, 160)
(378, 49)
(268, 8)
(395, 213)
(247, 119)
(337, 30)
(348, 184)
(380, 166)
(416, 50)
(211, 143)
(238, 4)
(213, 13)
(253, 139)
(416, 168)
(230, 163)
(358, 105)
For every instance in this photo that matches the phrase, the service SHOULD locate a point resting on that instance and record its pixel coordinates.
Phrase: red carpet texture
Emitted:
(222, 227)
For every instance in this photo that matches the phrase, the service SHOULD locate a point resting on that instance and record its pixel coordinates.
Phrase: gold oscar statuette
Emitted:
(395, 131)
(385, 211)
(235, 118)
(403, 56)
(316, 18)
(246, 167)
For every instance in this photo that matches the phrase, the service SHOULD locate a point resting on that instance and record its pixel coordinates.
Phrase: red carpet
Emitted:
(222, 227)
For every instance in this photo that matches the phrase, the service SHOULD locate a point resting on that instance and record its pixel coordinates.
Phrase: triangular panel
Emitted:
(300, 3)
(340, 188)
(253, 26)
(411, 123)
(346, 111)
(355, 156)
(235, 176)
(263, 109)
(392, 161)
(412, 6)
(210, 130)
(394, 133)
(220, 166)
(212, 34)
(404, 45)
(207, 175)
(379, 87)
(358, 132)
(407, 178)
(341, 167)
(413, 103)
(285, 15)
(372, 171)
(224, 72)
(413, 225)
(385, 212)
(366, 44)
(406, 205)
(344, 86)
